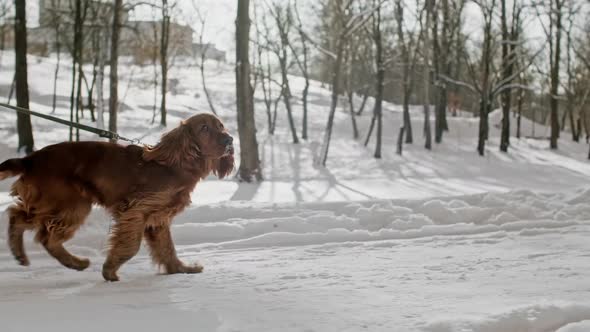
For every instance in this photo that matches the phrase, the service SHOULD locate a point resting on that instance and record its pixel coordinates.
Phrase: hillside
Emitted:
(428, 241)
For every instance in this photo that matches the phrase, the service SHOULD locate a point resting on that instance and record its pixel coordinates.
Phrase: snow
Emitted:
(428, 241)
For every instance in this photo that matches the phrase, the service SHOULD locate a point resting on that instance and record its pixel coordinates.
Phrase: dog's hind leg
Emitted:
(59, 228)
(18, 224)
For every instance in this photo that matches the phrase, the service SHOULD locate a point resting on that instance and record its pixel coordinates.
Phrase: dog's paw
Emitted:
(78, 264)
(182, 268)
(22, 260)
(195, 268)
(82, 264)
(109, 275)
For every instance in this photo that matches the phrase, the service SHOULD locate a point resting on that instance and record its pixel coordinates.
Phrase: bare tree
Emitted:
(486, 99)
(380, 78)
(203, 59)
(555, 33)
(23, 121)
(572, 94)
(164, 42)
(344, 25)
(350, 58)
(249, 160)
(428, 8)
(509, 61)
(264, 71)
(102, 56)
(303, 64)
(408, 45)
(56, 23)
(448, 13)
(114, 60)
(283, 21)
(76, 51)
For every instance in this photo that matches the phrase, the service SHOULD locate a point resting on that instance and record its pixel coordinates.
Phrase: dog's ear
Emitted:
(224, 166)
(176, 148)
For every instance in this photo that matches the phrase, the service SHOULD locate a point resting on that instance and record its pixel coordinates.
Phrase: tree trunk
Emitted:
(363, 103)
(483, 126)
(249, 161)
(570, 111)
(154, 57)
(441, 114)
(519, 116)
(334, 103)
(267, 95)
(164, 38)
(436, 64)
(274, 113)
(58, 49)
(485, 103)
(400, 140)
(204, 83)
(287, 88)
(304, 95)
(23, 121)
(554, 104)
(114, 78)
(91, 105)
(370, 131)
(407, 120)
(406, 83)
(287, 101)
(507, 59)
(426, 78)
(355, 131)
(349, 58)
(74, 102)
(79, 54)
(102, 55)
(380, 78)
(305, 72)
(12, 88)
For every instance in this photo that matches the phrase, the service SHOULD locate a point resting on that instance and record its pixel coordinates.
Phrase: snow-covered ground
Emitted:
(428, 241)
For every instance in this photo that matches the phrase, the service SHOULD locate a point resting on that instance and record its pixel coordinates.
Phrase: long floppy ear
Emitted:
(176, 148)
(223, 166)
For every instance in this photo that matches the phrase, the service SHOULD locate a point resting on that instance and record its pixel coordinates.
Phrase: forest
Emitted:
(529, 59)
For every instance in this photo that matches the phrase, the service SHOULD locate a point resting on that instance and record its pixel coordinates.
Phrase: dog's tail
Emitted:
(11, 167)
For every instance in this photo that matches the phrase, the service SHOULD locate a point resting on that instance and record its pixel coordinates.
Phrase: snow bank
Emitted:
(583, 326)
(241, 225)
(537, 318)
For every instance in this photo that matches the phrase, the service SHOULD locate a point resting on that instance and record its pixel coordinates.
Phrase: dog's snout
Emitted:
(228, 140)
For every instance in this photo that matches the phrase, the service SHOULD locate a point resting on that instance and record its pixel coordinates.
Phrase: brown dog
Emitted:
(142, 188)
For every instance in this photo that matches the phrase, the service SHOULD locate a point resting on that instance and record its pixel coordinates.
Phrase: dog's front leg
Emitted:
(163, 253)
(124, 243)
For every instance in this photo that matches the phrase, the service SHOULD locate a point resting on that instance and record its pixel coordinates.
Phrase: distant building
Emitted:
(63, 11)
(209, 50)
(142, 38)
(56, 21)
(139, 39)
(6, 35)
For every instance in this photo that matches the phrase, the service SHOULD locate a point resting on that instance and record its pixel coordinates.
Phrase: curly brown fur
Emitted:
(143, 188)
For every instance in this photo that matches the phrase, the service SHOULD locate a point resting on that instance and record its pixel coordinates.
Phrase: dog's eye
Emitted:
(204, 128)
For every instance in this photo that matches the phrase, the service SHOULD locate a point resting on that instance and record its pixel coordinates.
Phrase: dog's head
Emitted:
(200, 137)
(210, 135)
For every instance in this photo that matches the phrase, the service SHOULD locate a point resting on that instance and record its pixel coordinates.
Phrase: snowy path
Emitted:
(326, 249)
(495, 262)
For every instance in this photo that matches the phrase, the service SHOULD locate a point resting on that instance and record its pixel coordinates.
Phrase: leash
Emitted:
(100, 132)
